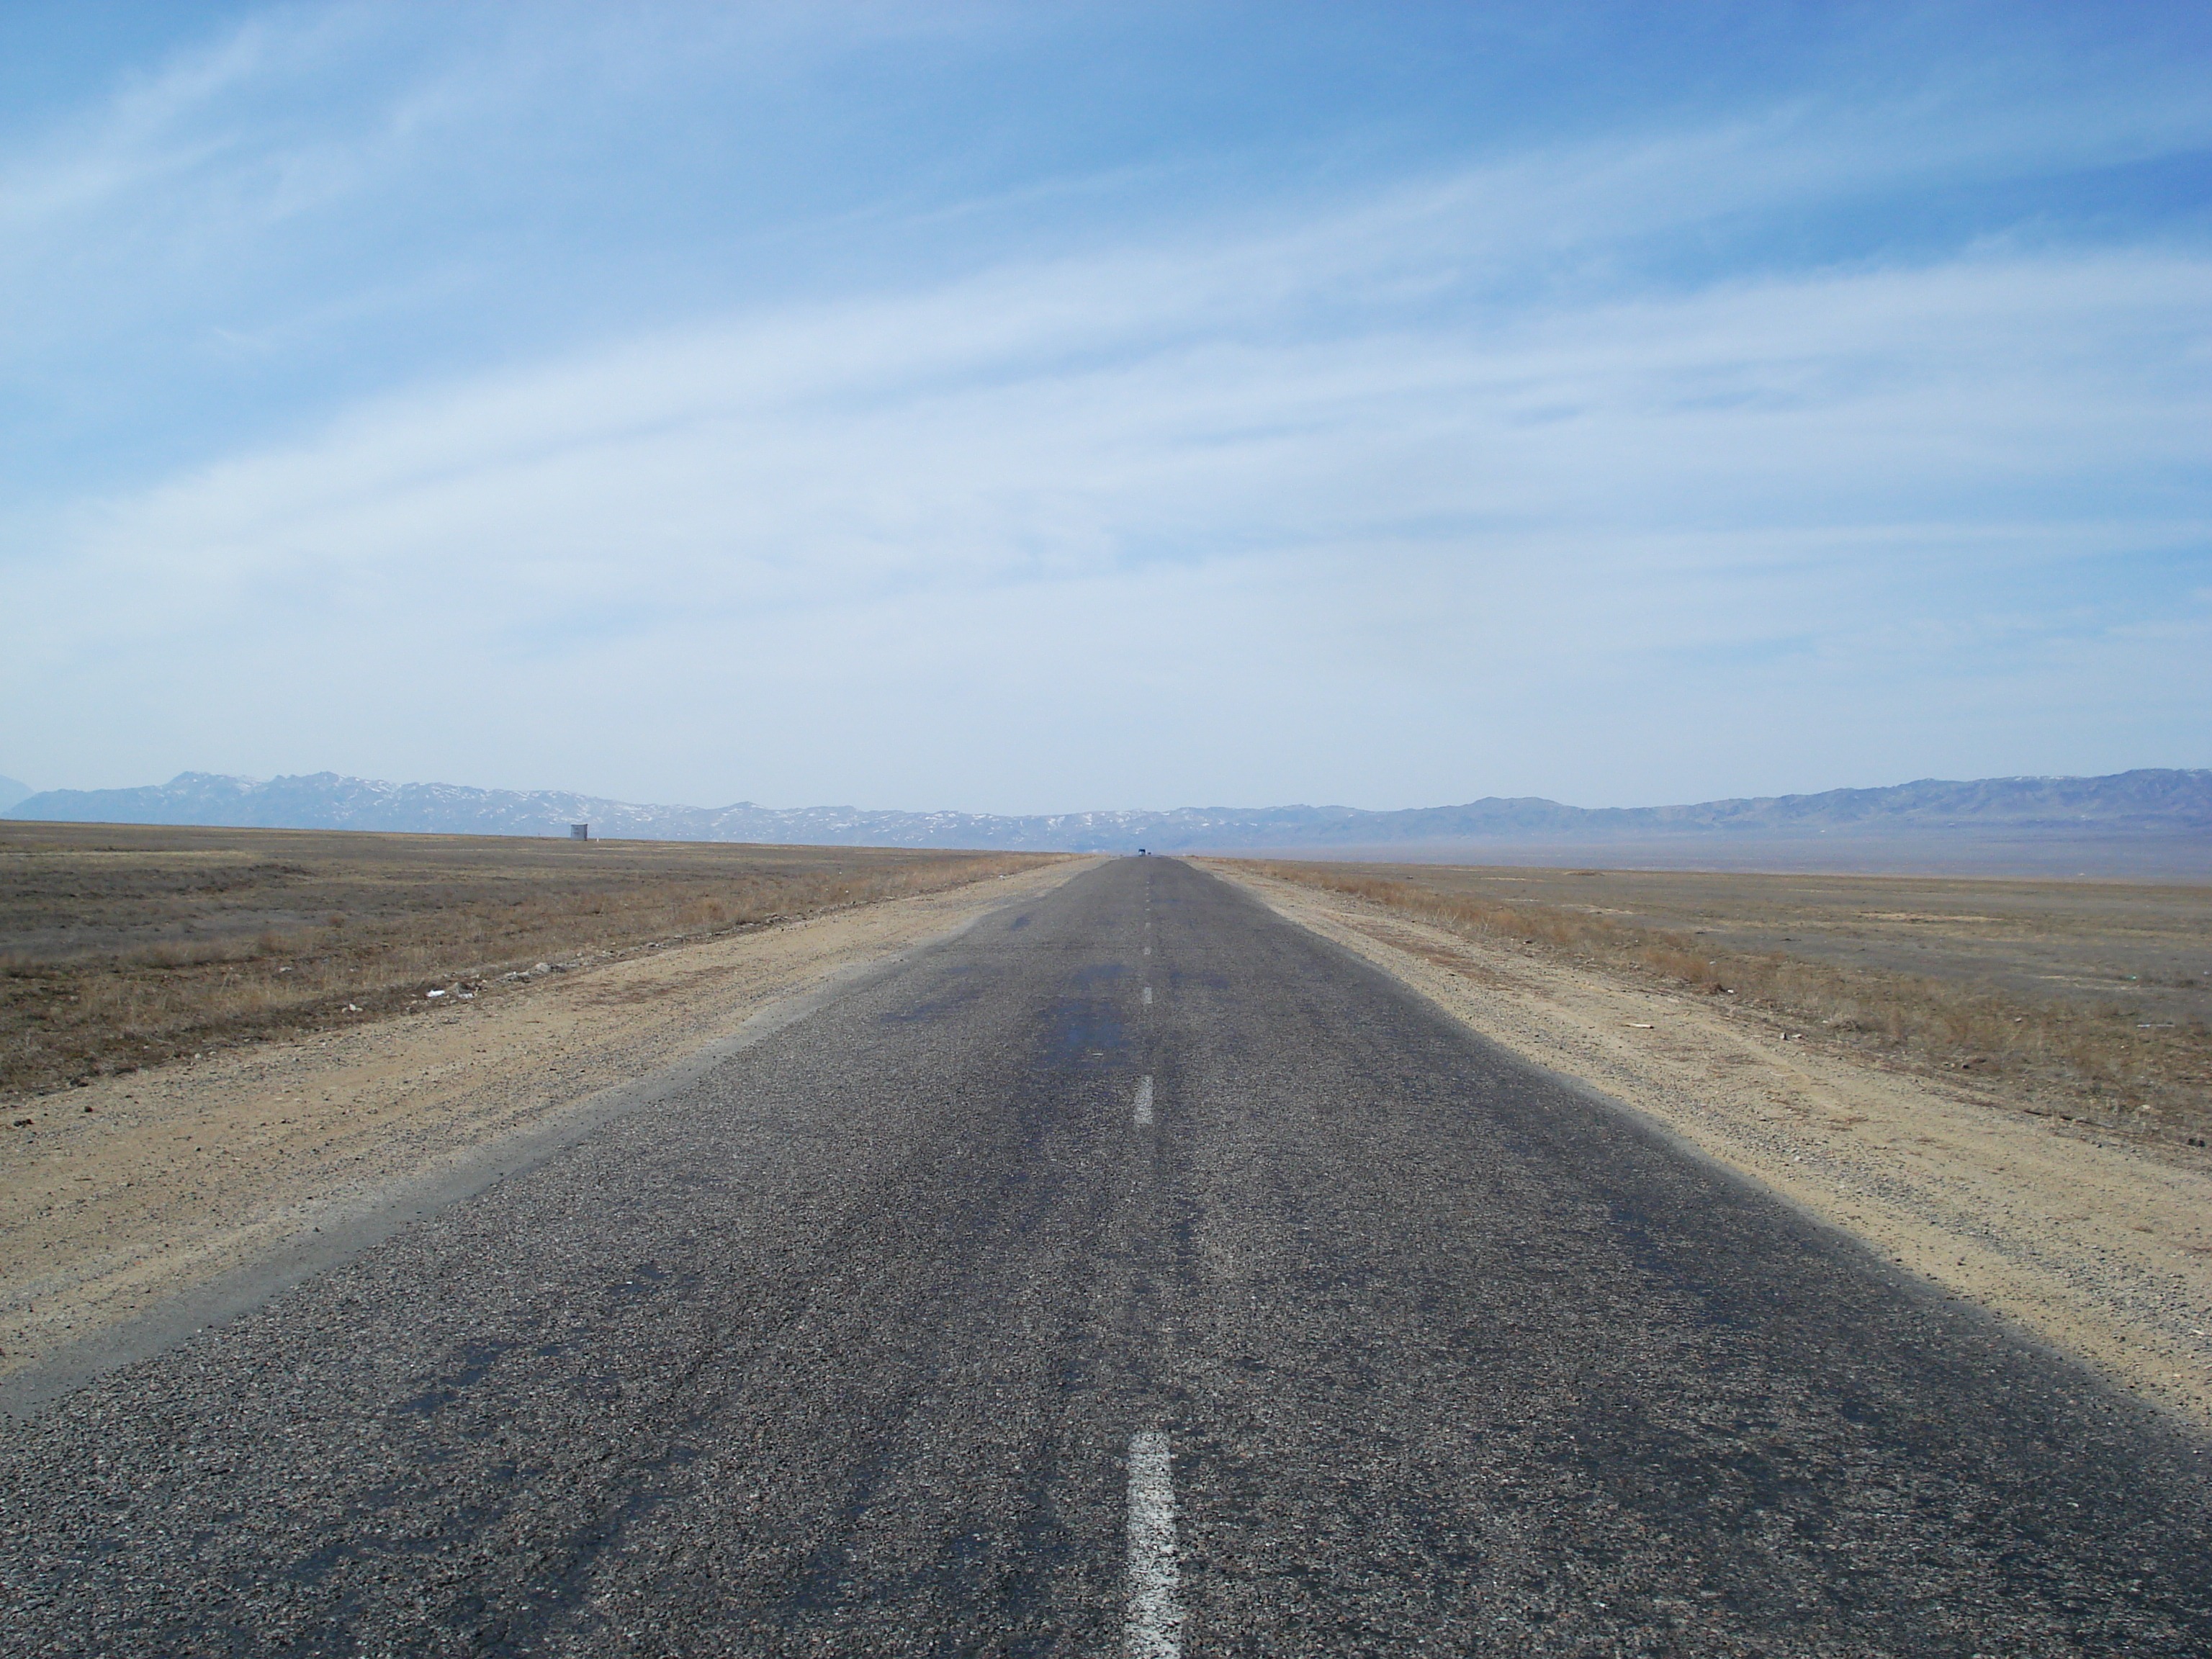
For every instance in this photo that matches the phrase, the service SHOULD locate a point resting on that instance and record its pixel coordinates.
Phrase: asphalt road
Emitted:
(1136, 1274)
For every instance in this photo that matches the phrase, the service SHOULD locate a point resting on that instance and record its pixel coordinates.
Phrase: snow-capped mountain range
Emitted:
(2163, 802)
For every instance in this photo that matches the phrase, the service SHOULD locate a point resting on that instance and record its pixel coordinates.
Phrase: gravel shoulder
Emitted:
(138, 1193)
(2101, 1247)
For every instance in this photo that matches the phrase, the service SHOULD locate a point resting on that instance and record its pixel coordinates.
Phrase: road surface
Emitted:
(1135, 1273)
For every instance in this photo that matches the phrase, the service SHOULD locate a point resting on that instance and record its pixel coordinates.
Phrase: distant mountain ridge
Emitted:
(2162, 802)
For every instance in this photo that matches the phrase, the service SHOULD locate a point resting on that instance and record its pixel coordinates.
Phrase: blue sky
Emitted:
(1044, 407)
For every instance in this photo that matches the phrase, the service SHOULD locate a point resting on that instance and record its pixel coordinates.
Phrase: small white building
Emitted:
(579, 832)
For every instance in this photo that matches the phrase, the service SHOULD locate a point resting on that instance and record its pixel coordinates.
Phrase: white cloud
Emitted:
(1367, 517)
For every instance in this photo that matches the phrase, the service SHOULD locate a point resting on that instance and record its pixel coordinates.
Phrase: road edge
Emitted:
(2092, 1325)
(346, 1232)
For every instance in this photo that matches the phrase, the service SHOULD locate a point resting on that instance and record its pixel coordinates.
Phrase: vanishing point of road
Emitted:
(1134, 1273)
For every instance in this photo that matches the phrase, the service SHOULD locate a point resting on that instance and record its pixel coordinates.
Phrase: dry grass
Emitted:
(123, 947)
(2079, 1057)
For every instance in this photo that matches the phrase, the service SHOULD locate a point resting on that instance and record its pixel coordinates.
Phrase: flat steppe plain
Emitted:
(2083, 999)
(125, 945)
(2143, 947)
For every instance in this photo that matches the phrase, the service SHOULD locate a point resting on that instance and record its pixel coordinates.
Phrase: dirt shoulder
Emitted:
(2100, 1247)
(136, 1190)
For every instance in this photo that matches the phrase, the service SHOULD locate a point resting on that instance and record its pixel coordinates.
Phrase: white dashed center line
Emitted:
(1148, 950)
(1142, 1115)
(1154, 1629)
(1148, 996)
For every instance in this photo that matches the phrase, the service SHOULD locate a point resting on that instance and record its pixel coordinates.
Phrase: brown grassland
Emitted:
(123, 947)
(2086, 999)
